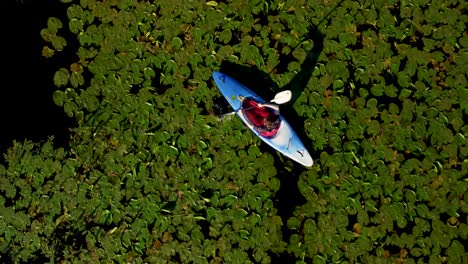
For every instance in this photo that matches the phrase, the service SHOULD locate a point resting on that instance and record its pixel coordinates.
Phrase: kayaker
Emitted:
(264, 117)
(271, 122)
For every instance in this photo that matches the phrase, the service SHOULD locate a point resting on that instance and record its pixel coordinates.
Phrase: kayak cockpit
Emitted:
(265, 120)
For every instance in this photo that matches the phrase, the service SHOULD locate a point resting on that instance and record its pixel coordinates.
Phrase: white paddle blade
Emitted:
(282, 97)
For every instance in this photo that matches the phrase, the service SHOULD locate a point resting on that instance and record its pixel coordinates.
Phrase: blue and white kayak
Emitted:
(285, 141)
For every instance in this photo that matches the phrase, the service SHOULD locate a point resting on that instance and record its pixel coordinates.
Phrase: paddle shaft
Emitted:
(248, 108)
(280, 98)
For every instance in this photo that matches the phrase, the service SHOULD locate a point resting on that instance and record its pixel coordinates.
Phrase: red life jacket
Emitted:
(257, 115)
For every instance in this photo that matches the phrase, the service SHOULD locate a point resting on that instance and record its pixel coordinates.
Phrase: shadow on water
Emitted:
(252, 77)
(27, 110)
(289, 196)
(298, 84)
(300, 80)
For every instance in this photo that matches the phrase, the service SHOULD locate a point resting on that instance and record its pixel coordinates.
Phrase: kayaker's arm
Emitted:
(273, 107)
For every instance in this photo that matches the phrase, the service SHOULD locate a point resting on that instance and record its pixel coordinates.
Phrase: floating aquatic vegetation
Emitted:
(151, 175)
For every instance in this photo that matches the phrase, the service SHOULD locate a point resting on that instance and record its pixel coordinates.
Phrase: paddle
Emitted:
(280, 98)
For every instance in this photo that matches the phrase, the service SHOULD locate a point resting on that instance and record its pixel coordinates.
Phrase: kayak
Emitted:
(285, 139)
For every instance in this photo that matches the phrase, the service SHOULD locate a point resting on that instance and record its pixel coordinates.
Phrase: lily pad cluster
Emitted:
(151, 175)
(391, 180)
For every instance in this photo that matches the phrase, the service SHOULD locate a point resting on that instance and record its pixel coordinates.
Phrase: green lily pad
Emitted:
(177, 43)
(76, 79)
(59, 43)
(54, 24)
(338, 84)
(225, 36)
(75, 25)
(319, 260)
(348, 38)
(70, 108)
(59, 97)
(91, 103)
(390, 91)
(170, 67)
(75, 11)
(403, 79)
(373, 127)
(377, 89)
(61, 77)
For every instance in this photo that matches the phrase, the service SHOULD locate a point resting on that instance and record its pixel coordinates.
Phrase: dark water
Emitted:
(27, 110)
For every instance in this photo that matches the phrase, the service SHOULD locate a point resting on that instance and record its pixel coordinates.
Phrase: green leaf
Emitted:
(149, 73)
(377, 89)
(211, 61)
(294, 66)
(229, 200)
(438, 56)
(464, 41)
(391, 91)
(177, 43)
(337, 84)
(91, 103)
(10, 233)
(370, 206)
(456, 252)
(417, 252)
(59, 97)
(403, 79)
(293, 223)
(61, 77)
(300, 54)
(47, 52)
(338, 69)
(318, 260)
(75, 11)
(225, 36)
(348, 38)
(373, 127)
(76, 79)
(54, 24)
(59, 43)
(463, 231)
(170, 67)
(75, 25)
(125, 4)
(70, 108)
(254, 151)
(459, 139)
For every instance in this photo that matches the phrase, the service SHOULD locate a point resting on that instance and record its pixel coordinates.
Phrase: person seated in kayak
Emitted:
(264, 117)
